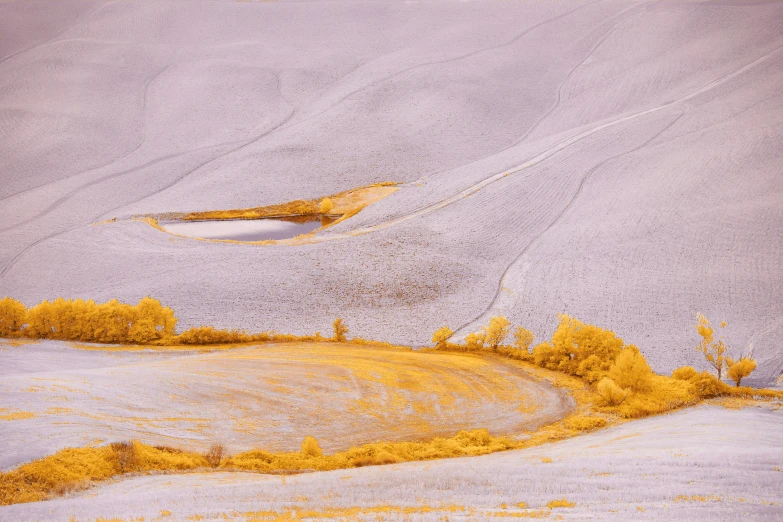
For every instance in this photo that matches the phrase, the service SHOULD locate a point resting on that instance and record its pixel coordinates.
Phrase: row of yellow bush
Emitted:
(617, 372)
(74, 468)
(148, 322)
(80, 320)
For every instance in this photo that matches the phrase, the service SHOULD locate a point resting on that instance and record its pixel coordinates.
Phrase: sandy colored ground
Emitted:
(704, 463)
(654, 130)
(268, 397)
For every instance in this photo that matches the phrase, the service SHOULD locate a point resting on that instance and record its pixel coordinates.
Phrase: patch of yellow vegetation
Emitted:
(7, 414)
(74, 468)
(343, 203)
(560, 503)
(332, 209)
(698, 498)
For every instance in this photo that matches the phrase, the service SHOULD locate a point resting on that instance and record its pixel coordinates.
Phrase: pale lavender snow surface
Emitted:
(620, 161)
(656, 191)
(653, 469)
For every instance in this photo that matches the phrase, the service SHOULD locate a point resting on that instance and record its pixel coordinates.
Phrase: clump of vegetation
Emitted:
(631, 371)
(75, 468)
(71, 469)
(612, 394)
(327, 205)
(617, 373)
(441, 336)
(80, 320)
(12, 317)
(310, 447)
(579, 349)
(560, 503)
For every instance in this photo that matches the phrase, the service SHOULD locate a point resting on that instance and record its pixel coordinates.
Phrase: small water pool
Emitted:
(247, 229)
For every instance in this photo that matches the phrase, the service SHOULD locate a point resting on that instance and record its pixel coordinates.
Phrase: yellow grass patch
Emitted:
(344, 203)
(7, 414)
(560, 503)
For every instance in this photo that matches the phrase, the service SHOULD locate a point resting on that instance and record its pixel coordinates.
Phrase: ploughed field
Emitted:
(54, 395)
(616, 160)
(704, 463)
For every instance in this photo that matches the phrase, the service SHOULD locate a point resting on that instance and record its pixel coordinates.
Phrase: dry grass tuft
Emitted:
(215, 455)
(126, 455)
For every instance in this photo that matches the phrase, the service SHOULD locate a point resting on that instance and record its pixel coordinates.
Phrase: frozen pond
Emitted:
(247, 229)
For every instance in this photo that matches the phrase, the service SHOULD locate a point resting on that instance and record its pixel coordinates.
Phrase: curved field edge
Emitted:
(74, 469)
(266, 396)
(659, 468)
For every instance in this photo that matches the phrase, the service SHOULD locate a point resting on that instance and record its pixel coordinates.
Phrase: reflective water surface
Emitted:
(247, 229)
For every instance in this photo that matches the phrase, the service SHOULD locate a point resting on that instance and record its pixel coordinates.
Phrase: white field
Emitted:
(266, 397)
(704, 463)
(644, 142)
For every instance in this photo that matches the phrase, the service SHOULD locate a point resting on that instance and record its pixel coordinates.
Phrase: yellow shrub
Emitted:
(310, 447)
(684, 373)
(326, 206)
(706, 385)
(612, 394)
(12, 317)
(579, 349)
(665, 394)
(442, 335)
(630, 370)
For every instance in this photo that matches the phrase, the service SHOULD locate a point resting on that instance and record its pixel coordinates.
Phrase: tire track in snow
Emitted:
(568, 206)
(110, 162)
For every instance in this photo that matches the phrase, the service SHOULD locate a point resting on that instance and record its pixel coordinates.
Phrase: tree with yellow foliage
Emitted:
(713, 350)
(496, 332)
(523, 338)
(327, 205)
(442, 335)
(111, 322)
(340, 330)
(12, 317)
(740, 369)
